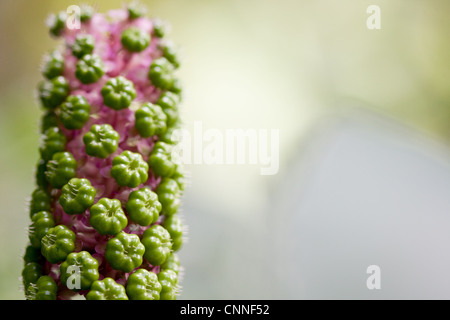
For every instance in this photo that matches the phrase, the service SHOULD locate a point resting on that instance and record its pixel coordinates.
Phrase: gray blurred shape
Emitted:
(361, 190)
(366, 191)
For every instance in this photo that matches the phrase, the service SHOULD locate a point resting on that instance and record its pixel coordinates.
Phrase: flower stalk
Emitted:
(104, 214)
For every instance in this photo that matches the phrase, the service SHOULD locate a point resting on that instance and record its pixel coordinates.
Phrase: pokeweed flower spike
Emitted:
(105, 223)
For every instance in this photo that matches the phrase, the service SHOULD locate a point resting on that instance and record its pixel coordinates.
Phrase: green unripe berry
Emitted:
(53, 141)
(159, 28)
(31, 273)
(53, 65)
(53, 92)
(84, 44)
(49, 120)
(32, 255)
(174, 226)
(89, 69)
(143, 206)
(160, 160)
(86, 13)
(172, 263)
(61, 169)
(77, 196)
(57, 243)
(169, 284)
(135, 10)
(168, 194)
(40, 201)
(170, 53)
(157, 244)
(44, 289)
(107, 216)
(176, 88)
(143, 285)
(169, 103)
(150, 120)
(172, 136)
(41, 222)
(161, 73)
(124, 252)
(178, 176)
(129, 169)
(57, 23)
(41, 180)
(101, 140)
(118, 93)
(74, 112)
(135, 40)
(107, 289)
(84, 266)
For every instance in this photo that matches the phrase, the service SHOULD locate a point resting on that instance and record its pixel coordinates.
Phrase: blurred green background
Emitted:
(246, 64)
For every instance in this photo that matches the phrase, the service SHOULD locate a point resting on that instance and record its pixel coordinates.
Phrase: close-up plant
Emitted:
(102, 214)
(224, 150)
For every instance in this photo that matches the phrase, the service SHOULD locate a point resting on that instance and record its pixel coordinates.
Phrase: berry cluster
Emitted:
(104, 221)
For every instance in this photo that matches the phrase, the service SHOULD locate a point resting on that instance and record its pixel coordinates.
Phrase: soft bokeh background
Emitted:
(364, 120)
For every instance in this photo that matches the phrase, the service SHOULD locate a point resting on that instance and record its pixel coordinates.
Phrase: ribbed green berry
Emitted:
(40, 201)
(77, 196)
(124, 252)
(53, 65)
(135, 10)
(79, 266)
(169, 284)
(107, 216)
(168, 194)
(53, 141)
(49, 120)
(118, 93)
(135, 40)
(162, 147)
(150, 120)
(44, 289)
(171, 136)
(159, 28)
(177, 87)
(107, 289)
(41, 222)
(31, 273)
(178, 176)
(158, 245)
(129, 169)
(57, 23)
(170, 53)
(53, 92)
(32, 255)
(160, 160)
(174, 226)
(57, 244)
(143, 285)
(86, 13)
(101, 140)
(172, 263)
(89, 69)
(41, 180)
(161, 73)
(61, 169)
(74, 112)
(143, 206)
(169, 103)
(84, 44)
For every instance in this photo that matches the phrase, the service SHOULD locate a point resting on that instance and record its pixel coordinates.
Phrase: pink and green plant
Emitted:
(104, 214)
